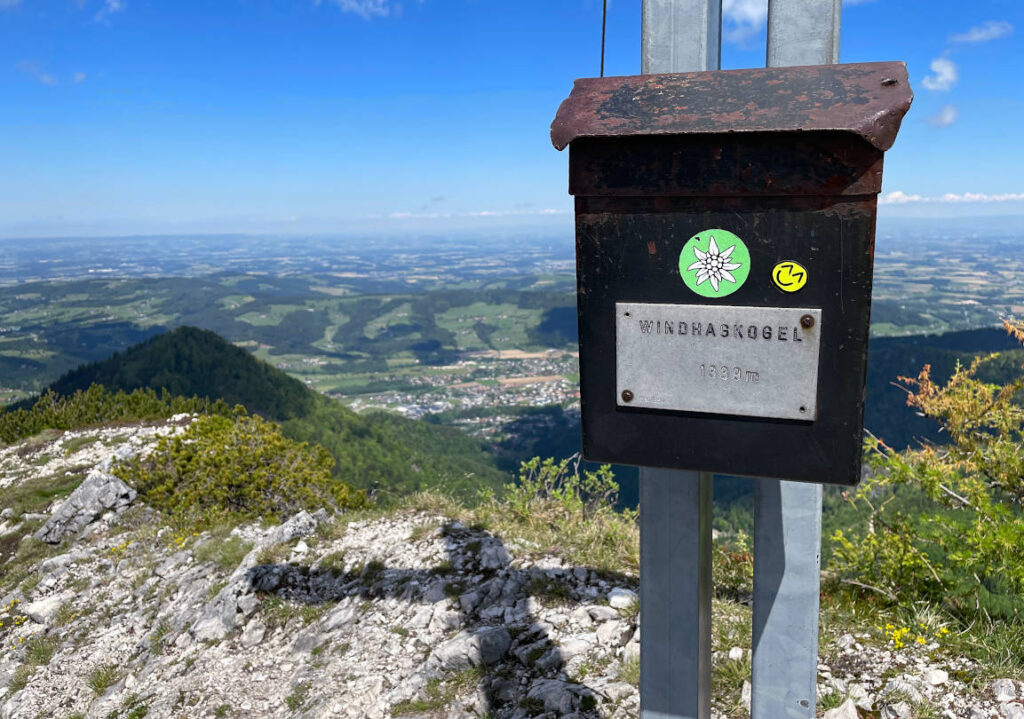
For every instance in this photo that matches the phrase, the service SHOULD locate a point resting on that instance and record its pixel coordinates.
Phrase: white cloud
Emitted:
(945, 117)
(898, 197)
(365, 9)
(109, 8)
(4, 4)
(743, 19)
(981, 197)
(945, 75)
(991, 30)
(78, 77)
(35, 70)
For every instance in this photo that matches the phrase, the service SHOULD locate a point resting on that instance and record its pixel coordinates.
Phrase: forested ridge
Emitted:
(388, 456)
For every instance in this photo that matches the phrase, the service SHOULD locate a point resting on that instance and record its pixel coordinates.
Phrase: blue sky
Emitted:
(152, 116)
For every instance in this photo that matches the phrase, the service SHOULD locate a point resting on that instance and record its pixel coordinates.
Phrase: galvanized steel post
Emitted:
(787, 515)
(675, 506)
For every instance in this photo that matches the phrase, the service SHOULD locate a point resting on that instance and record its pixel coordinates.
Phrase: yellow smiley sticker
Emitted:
(789, 276)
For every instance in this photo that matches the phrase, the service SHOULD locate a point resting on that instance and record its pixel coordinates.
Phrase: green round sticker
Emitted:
(714, 263)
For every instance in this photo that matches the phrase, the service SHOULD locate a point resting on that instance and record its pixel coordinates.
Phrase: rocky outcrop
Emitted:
(98, 494)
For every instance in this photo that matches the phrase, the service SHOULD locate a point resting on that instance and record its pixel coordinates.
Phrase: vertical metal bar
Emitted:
(675, 594)
(675, 507)
(604, 26)
(787, 515)
(681, 35)
(787, 559)
(803, 32)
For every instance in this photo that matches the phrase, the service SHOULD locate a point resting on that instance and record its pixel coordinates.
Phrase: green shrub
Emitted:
(944, 524)
(298, 697)
(562, 509)
(732, 564)
(226, 552)
(103, 677)
(96, 406)
(239, 466)
(40, 650)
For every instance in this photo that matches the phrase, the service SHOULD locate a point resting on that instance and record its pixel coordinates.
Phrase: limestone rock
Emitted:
(1004, 690)
(484, 646)
(902, 686)
(614, 633)
(846, 710)
(899, 710)
(621, 598)
(43, 610)
(98, 494)
(558, 697)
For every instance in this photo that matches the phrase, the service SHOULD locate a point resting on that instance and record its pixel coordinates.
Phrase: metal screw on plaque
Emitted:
(807, 322)
(627, 396)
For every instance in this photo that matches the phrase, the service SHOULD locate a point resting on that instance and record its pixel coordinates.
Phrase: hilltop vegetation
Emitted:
(388, 456)
(234, 469)
(189, 362)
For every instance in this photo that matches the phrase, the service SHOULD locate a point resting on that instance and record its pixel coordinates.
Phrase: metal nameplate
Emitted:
(747, 361)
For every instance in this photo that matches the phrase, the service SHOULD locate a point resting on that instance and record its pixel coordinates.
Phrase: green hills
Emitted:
(386, 455)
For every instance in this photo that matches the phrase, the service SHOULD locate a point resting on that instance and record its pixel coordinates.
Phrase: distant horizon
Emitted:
(483, 227)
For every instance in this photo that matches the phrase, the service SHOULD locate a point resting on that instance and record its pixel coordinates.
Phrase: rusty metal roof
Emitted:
(867, 99)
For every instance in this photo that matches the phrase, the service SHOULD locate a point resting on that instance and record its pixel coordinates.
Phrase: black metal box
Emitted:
(725, 228)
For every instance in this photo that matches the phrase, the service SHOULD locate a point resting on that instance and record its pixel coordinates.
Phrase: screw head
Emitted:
(807, 322)
(627, 396)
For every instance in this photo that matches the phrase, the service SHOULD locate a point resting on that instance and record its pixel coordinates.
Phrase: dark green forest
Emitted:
(386, 455)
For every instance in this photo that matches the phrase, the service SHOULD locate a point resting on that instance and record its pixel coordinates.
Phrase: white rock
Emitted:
(253, 634)
(338, 617)
(614, 634)
(617, 691)
(904, 687)
(1012, 710)
(601, 613)
(621, 598)
(846, 710)
(899, 710)
(736, 653)
(1004, 690)
(936, 677)
(745, 691)
(43, 610)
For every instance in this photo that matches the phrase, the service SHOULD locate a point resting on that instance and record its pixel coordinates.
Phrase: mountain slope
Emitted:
(390, 456)
(190, 361)
(399, 614)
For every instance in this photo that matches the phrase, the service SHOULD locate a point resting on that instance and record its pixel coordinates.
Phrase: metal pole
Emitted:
(675, 594)
(681, 35)
(803, 32)
(604, 26)
(787, 515)
(675, 506)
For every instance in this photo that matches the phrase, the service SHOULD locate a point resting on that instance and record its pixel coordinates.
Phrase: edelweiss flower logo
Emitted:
(714, 265)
